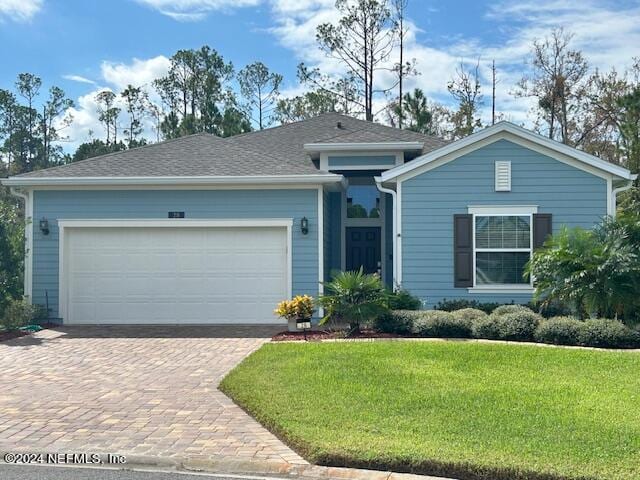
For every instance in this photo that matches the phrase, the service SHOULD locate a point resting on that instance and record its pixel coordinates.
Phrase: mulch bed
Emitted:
(10, 335)
(4, 336)
(317, 335)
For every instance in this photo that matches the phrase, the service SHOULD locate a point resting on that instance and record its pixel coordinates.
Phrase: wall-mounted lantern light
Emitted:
(44, 226)
(304, 225)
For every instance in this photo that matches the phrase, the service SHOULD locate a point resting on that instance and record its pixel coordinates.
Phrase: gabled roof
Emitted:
(510, 131)
(271, 153)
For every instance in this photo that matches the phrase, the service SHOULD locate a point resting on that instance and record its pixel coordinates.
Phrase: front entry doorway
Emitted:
(363, 249)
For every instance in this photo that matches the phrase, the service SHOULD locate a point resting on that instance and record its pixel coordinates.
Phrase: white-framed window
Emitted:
(502, 245)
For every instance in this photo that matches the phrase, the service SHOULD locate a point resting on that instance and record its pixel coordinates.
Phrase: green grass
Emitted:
(475, 411)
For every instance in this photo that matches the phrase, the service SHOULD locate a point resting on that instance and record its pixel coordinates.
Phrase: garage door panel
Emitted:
(175, 275)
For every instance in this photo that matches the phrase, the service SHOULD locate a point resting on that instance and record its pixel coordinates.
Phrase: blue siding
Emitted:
(358, 160)
(204, 204)
(429, 201)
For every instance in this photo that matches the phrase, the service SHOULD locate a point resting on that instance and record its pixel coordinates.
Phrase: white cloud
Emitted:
(79, 79)
(194, 10)
(116, 77)
(85, 121)
(19, 10)
(139, 73)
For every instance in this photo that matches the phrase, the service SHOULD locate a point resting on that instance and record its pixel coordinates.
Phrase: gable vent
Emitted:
(503, 176)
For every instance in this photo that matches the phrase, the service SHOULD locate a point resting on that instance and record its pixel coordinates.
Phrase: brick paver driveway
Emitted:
(136, 390)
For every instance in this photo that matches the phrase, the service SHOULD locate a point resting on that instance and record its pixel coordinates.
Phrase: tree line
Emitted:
(596, 111)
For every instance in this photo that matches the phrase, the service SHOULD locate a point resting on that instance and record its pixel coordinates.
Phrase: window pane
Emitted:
(502, 232)
(500, 267)
(363, 201)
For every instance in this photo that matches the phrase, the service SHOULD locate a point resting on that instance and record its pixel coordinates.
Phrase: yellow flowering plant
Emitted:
(300, 306)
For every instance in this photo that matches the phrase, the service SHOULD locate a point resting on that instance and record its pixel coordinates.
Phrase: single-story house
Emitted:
(202, 229)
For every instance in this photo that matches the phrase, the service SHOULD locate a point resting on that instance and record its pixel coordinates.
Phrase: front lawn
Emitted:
(461, 409)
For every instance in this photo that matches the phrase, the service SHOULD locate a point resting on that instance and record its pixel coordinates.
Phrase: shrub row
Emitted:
(546, 309)
(18, 313)
(509, 322)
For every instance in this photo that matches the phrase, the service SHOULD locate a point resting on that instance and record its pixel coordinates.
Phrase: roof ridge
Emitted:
(121, 152)
(342, 134)
(283, 125)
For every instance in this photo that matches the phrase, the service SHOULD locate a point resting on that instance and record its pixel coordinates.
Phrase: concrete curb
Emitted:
(232, 465)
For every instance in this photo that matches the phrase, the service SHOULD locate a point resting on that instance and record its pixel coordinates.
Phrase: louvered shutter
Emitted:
(463, 250)
(542, 228)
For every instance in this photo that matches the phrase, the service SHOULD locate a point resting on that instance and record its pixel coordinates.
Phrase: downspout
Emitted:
(27, 238)
(394, 203)
(616, 191)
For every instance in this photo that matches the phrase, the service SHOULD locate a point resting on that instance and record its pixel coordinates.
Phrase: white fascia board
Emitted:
(359, 147)
(174, 222)
(502, 209)
(217, 180)
(520, 132)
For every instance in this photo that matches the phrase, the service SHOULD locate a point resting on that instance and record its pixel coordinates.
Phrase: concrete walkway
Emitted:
(145, 391)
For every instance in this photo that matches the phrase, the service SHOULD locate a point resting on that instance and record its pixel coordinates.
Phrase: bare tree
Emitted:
(465, 89)
(558, 74)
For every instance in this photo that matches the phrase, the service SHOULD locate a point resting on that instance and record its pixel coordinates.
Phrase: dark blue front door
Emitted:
(363, 249)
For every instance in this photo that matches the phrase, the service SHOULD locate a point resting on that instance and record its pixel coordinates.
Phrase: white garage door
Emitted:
(174, 275)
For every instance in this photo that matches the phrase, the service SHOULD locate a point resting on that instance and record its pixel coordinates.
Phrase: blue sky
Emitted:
(83, 46)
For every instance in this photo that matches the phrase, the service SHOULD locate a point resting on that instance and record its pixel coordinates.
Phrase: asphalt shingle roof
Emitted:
(273, 151)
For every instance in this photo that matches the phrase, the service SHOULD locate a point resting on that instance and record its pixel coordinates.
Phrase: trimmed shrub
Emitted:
(517, 325)
(18, 313)
(487, 327)
(469, 314)
(506, 309)
(459, 304)
(403, 300)
(396, 321)
(559, 331)
(602, 332)
(437, 323)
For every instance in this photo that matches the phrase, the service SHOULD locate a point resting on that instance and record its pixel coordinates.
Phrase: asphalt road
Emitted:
(27, 472)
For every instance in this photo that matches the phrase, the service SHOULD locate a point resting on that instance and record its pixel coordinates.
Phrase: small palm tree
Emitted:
(353, 297)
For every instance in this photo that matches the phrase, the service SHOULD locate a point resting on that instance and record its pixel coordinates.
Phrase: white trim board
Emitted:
(65, 224)
(314, 179)
(320, 246)
(511, 132)
(359, 147)
(502, 209)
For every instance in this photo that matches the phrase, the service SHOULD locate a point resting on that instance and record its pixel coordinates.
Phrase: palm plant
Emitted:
(353, 297)
(597, 271)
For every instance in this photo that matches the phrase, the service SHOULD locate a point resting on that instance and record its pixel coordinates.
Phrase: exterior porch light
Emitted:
(304, 225)
(44, 226)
